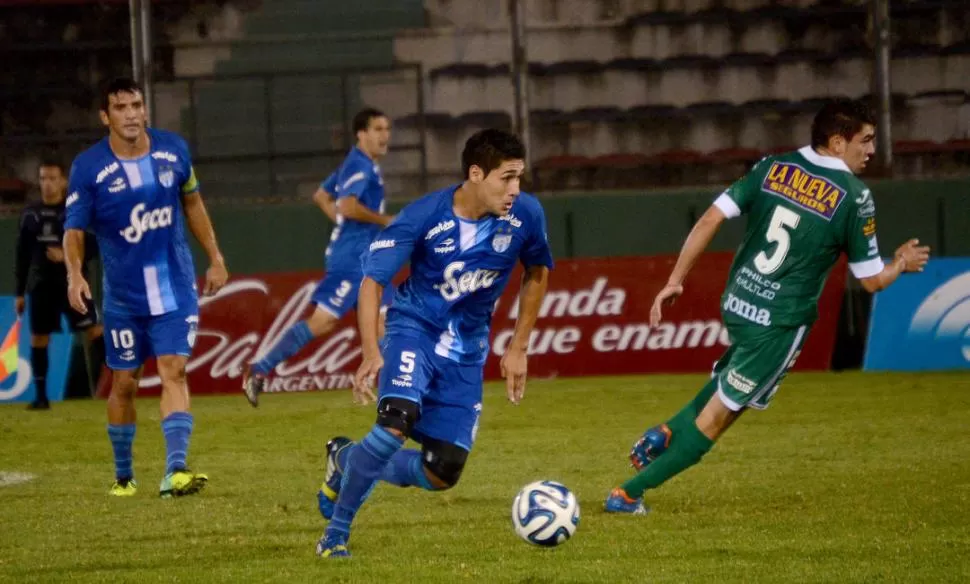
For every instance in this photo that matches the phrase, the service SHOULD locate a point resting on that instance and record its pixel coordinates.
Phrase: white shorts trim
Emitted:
(328, 310)
(728, 402)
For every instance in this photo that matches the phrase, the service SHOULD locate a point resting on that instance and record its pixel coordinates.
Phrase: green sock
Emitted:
(689, 413)
(687, 446)
(700, 400)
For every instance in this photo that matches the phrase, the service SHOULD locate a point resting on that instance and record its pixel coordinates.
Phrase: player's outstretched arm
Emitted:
(201, 226)
(368, 315)
(696, 243)
(351, 208)
(77, 286)
(514, 362)
(910, 257)
(325, 201)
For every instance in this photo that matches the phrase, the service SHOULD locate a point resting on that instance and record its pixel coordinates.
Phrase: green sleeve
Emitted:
(860, 240)
(740, 196)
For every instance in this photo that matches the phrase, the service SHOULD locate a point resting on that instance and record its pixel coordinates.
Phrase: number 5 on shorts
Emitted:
(407, 361)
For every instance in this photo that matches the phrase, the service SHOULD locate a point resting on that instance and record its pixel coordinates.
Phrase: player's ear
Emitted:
(104, 117)
(476, 174)
(838, 144)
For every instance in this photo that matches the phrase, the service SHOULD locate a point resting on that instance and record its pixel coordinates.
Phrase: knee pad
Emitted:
(398, 414)
(444, 460)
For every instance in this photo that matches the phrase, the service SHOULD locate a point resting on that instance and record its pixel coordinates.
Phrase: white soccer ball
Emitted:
(545, 513)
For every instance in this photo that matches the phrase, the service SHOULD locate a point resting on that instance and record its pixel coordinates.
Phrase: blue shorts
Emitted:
(130, 340)
(448, 393)
(337, 293)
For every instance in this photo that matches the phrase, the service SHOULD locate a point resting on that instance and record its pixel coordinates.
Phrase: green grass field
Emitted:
(847, 478)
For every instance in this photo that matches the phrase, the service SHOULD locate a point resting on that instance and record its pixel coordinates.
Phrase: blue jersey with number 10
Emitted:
(134, 208)
(459, 268)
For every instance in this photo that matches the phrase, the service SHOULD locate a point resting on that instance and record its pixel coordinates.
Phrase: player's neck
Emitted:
(129, 150)
(466, 205)
(823, 151)
(370, 155)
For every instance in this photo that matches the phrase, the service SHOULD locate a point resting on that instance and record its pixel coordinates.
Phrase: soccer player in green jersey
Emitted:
(804, 209)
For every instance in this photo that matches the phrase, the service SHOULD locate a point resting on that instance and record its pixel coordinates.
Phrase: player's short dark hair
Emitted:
(363, 117)
(488, 149)
(840, 117)
(53, 162)
(118, 85)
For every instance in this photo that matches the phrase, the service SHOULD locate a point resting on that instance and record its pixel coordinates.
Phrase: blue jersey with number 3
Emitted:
(459, 268)
(360, 177)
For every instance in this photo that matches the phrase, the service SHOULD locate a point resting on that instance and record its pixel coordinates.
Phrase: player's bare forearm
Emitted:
(696, 243)
(351, 208)
(910, 257)
(325, 201)
(534, 284)
(73, 252)
(368, 315)
(201, 227)
(885, 278)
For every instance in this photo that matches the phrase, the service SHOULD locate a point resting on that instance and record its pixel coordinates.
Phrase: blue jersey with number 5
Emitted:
(459, 268)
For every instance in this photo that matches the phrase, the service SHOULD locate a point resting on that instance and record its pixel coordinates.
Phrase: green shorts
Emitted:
(749, 372)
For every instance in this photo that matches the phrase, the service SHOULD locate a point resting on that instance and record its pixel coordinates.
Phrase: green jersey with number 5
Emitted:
(804, 209)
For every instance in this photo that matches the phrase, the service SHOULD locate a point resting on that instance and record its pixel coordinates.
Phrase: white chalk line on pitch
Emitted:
(11, 478)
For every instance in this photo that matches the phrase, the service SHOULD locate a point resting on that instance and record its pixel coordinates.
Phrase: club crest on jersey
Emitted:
(501, 242)
(166, 177)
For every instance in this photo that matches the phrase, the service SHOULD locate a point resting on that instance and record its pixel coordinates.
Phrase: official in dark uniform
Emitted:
(41, 274)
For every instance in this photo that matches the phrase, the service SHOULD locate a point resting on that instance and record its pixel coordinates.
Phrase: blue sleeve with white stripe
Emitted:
(190, 184)
(352, 178)
(392, 247)
(329, 184)
(536, 251)
(80, 198)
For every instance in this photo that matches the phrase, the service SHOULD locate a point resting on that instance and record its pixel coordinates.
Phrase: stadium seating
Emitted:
(620, 92)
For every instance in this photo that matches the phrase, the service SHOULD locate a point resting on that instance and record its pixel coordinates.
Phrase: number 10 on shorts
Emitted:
(122, 339)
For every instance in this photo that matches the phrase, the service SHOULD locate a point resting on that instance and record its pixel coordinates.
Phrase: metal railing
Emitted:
(326, 135)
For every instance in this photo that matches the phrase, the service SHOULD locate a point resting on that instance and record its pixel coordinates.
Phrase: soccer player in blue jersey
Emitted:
(325, 198)
(359, 192)
(137, 191)
(462, 243)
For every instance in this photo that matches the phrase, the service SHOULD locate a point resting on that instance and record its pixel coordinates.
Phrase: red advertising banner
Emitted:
(594, 320)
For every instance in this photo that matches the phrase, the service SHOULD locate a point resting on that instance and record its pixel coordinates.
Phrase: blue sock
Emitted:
(122, 436)
(177, 428)
(366, 464)
(407, 470)
(293, 340)
(343, 457)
